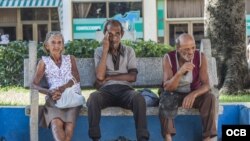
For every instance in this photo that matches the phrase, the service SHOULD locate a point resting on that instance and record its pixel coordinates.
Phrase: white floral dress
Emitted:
(56, 77)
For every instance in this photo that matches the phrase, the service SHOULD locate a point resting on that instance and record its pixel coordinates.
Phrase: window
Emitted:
(29, 14)
(175, 30)
(55, 27)
(90, 17)
(184, 16)
(89, 10)
(27, 32)
(42, 14)
(54, 14)
(8, 16)
(7, 34)
(123, 7)
(42, 31)
(198, 33)
(185, 8)
(98, 10)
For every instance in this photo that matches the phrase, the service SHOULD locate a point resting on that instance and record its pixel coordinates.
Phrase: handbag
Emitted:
(71, 97)
(150, 97)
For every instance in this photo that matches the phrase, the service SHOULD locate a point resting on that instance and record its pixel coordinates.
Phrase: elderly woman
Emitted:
(60, 72)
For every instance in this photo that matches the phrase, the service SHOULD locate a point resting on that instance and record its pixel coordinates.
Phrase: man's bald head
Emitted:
(185, 46)
(184, 39)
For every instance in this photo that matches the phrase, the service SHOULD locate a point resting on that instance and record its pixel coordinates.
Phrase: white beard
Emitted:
(187, 57)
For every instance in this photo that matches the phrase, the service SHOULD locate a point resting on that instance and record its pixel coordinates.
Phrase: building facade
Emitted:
(157, 20)
(28, 19)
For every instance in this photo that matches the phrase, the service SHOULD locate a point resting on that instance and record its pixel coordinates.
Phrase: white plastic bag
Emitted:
(71, 97)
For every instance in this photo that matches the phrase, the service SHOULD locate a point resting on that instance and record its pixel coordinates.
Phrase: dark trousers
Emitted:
(117, 95)
(205, 103)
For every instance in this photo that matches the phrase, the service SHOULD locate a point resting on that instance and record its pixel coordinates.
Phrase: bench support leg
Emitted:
(34, 115)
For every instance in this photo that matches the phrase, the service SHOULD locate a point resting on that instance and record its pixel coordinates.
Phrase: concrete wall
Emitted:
(150, 71)
(14, 125)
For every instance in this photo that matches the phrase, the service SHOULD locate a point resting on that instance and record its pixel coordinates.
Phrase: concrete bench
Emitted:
(150, 76)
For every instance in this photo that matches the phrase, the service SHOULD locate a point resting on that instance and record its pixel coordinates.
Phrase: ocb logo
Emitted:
(236, 132)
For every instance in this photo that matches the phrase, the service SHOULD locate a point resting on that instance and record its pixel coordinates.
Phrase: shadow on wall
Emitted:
(2, 138)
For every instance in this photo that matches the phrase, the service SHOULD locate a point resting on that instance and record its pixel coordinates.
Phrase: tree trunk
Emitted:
(226, 28)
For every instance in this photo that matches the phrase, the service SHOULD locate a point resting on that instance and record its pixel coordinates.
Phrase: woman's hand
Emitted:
(56, 94)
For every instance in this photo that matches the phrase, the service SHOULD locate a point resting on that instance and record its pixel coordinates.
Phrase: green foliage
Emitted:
(86, 48)
(148, 48)
(40, 51)
(11, 63)
(78, 48)
(13, 54)
(240, 97)
(81, 48)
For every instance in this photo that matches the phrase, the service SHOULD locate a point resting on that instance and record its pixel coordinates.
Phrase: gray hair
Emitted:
(182, 36)
(50, 35)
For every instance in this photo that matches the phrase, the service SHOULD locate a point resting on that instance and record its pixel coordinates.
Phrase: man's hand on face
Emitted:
(186, 67)
(106, 42)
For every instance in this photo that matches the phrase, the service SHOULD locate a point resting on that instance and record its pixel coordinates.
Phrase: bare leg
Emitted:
(69, 128)
(168, 137)
(58, 129)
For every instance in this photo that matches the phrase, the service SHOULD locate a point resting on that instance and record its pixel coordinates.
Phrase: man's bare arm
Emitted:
(205, 86)
(170, 81)
(130, 77)
(101, 67)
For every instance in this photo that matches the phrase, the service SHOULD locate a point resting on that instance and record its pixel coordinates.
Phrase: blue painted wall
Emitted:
(230, 116)
(244, 115)
(14, 126)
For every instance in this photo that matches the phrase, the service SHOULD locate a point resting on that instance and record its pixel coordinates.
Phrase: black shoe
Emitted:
(143, 139)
